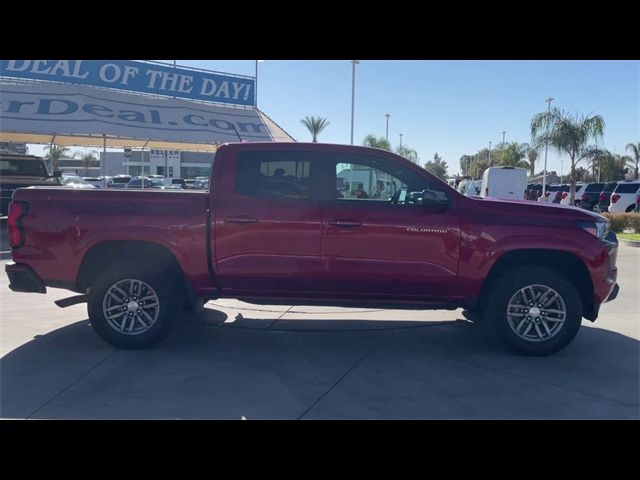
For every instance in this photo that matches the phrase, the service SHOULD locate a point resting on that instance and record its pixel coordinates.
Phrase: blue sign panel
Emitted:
(153, 78)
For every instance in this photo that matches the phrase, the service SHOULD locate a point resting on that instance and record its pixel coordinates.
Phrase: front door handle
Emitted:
(344, 222)
(240, 219)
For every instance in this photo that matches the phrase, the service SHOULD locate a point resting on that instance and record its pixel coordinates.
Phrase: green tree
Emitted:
(376, 142)
(634, 160)
(89, 160)
(512, 155)
(437, 167)
(315, 125)
(532, 156)
(568, 134)
(408, 153)
(56, 152)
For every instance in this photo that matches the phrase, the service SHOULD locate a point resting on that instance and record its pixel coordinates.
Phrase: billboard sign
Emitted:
(151, 78)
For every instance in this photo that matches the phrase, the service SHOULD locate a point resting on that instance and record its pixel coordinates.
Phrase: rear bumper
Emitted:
(22, 278)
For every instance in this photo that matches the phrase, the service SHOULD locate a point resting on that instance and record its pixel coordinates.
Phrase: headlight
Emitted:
(597, 229)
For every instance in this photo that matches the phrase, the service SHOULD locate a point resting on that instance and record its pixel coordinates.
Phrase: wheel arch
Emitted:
(144, 254)
(566, 263)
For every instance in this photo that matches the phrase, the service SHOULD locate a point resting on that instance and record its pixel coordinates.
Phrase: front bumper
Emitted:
(22, 278)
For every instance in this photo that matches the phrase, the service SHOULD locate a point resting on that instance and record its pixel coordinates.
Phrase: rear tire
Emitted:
(533, 310)
(132, 307)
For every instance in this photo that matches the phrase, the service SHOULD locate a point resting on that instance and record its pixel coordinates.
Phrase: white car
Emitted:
(580, 187)
(472, 188)
(624, 197)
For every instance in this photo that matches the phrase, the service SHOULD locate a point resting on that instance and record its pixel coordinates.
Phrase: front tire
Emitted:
(133, 307)
(533, 310)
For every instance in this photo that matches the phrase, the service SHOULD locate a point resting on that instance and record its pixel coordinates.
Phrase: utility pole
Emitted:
(546, 147)
(387, 136)
(353, 94)
(400, 140)
(503, 133)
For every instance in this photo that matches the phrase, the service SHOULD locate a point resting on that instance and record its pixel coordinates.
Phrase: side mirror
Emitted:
(57, 174)
(434, 199)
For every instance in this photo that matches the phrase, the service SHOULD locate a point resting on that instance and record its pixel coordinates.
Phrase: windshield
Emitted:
(68, 179)
(28, 168)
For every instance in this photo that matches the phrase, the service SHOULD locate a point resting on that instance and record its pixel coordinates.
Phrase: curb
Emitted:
(631, 243)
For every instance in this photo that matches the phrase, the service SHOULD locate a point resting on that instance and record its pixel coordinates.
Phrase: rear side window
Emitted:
(627, 187)
(274, 175)
(595, 187)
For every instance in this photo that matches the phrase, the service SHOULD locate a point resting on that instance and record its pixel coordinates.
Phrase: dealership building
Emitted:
(145, 118)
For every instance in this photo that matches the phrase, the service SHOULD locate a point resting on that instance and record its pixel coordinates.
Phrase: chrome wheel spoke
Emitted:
(123, 311)
(536, 313)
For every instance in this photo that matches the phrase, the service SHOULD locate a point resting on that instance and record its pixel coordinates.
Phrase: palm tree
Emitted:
(376, 142)
(532, 156)
(635, 159)
(56, 152)
(568, 134)
(88, 160)
(315, 125)
(408, 153)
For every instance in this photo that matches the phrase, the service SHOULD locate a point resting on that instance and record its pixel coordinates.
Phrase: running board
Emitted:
(67, 302)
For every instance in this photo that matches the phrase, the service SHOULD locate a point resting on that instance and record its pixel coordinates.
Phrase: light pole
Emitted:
(353, 94)
(387, 136)
(546, 147)
(489, 152)
(401, 140)
(503, 133)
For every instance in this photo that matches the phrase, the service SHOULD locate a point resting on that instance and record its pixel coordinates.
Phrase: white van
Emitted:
(504, 182)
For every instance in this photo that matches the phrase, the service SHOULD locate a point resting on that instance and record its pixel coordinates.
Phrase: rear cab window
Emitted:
(28, 168)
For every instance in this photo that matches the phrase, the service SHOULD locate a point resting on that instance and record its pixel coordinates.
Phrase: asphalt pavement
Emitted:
(298, 362)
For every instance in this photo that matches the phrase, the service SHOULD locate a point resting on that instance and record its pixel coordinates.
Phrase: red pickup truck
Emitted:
(314, 224)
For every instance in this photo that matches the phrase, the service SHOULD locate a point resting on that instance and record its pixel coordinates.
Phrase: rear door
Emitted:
(378, 239)
(267, 221)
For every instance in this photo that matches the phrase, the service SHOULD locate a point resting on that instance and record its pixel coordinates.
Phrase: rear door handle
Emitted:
(344, 222)
(241, 219)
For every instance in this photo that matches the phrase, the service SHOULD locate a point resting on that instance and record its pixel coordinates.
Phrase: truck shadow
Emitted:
(212, 366)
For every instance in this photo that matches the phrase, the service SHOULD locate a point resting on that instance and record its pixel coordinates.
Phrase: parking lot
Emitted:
(290, 362)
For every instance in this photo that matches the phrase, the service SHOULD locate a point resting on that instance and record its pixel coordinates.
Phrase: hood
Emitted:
(529, 209)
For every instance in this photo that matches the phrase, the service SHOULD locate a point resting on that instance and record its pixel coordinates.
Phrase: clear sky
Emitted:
(449, 107)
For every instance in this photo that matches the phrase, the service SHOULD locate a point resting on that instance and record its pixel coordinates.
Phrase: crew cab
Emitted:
(293, 223)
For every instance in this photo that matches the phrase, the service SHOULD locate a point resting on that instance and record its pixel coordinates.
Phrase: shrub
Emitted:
(623, 221)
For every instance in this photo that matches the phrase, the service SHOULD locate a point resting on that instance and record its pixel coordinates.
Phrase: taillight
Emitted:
(564, 195)
(602, 197)
(17, 211)
(615, 198)
(539, 193)
(584, 197)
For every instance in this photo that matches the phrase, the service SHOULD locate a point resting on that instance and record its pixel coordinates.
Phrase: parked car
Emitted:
(566, 196)
(120, 181)
(275, 229)
(624, 197)
(98, 182)
(472, 188)
(74, 181)
(145, 182)
(605, 196)
(17, 171)
(534, 191)
(555, 193)
(591, 196)
(504, 182)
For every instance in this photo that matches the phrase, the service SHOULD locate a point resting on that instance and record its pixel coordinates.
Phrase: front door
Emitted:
(267, 222)
(378, 239)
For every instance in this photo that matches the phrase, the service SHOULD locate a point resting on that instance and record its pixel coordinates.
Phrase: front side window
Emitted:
(372, 180)
(274, 175)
